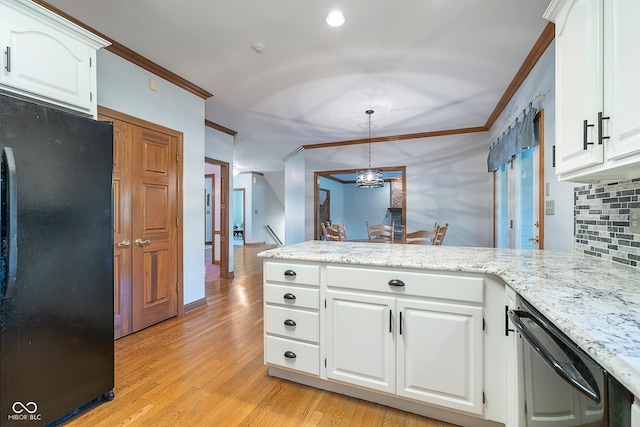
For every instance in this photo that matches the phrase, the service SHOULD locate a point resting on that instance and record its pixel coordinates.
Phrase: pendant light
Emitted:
(369, 178)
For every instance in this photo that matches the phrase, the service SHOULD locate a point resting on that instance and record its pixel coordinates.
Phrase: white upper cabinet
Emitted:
(597, 125)
(47, 58)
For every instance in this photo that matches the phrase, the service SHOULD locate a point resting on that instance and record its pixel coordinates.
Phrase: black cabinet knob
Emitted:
(396, 282)
(290, 273)
(289, 295)
(290, 355)
(290, 322)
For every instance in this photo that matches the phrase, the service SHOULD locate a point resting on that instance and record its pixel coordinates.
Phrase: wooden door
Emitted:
(147, 244)
(154, 272)
(224, 221)
(122, 228)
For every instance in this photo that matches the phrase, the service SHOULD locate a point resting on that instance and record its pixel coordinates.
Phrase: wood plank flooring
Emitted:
(206, 369)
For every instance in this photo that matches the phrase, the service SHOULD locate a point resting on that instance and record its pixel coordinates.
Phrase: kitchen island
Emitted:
(595, 303)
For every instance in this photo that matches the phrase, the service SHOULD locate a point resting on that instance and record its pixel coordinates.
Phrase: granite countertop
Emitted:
(594, 302)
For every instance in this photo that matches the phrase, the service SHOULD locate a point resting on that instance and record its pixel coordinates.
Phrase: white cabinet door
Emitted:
(360, 340)
(622, 86)
(47, 58)
(440, 354)
(579, 82)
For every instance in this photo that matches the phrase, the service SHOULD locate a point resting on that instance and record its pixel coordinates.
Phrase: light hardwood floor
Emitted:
(206, 369)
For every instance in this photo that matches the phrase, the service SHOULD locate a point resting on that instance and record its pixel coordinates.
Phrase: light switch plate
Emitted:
(550, 207)
(634, 220)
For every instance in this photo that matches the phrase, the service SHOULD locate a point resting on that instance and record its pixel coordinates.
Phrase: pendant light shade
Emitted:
(369, 178)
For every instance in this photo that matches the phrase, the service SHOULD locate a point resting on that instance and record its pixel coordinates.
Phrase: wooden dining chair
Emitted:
(334, 232)
(419, 237)
(438, 236)
(380, 231)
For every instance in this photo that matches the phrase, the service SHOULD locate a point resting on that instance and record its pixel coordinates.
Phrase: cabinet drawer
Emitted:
(292, 296)
(306, 356)
(303, 325)
(431, 285)
(287, 272)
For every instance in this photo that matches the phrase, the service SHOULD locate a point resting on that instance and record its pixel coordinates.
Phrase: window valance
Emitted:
(517, 138)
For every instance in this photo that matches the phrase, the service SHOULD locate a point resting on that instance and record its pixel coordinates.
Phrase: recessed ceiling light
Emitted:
(335, 18)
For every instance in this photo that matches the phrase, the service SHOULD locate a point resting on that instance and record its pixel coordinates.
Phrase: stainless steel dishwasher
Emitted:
(563, 385)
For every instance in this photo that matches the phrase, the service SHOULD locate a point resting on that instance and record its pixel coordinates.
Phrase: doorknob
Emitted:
(534, 239)
(123, 244)
(140, 242)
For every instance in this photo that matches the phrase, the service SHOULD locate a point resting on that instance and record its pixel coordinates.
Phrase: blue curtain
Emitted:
(517, 138)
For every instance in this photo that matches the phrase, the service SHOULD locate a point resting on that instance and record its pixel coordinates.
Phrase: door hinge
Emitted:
(91, 96)
(90, 62)
(484, 398)
(177, 157)
(177, 222)
(177, 287)
(325, 362)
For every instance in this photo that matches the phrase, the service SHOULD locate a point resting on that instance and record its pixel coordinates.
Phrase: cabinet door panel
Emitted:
(361, 344)
(44, 61)
(578, 85)
(621, 78)
(440, 354)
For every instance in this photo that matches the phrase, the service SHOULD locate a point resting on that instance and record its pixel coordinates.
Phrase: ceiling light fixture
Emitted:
(369, 178)
(335, 19)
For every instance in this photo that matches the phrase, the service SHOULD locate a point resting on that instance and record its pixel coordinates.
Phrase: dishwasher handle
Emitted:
(581, 384)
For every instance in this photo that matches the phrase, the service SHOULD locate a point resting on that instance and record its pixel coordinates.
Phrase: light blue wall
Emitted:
(363, 205)
(337, 199)
(124, 87)
(297, 223)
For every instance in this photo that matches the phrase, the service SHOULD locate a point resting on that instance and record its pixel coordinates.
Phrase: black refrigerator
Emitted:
(56, 265)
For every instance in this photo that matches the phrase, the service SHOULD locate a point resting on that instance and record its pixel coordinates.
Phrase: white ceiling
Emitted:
(422, 65)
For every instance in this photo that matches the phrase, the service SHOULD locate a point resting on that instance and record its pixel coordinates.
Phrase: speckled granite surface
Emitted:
(595, 302)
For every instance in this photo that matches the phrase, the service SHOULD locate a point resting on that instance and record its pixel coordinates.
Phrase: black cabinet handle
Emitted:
(289, 295)
(290, 273)
(600, 120)
(290, 322)
(8, 53)
(390, 321)
(396, 282)
(400, 323)
(290, 354)
(585, 127)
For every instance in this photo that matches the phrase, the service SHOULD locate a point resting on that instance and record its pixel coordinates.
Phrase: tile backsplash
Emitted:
(602, 218)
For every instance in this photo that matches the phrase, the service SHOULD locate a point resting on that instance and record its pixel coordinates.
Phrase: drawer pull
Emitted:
(289, 295)
(290, 322)
(396, 282)
(290, 355)
(290, 273)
